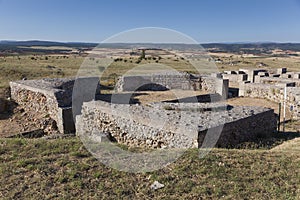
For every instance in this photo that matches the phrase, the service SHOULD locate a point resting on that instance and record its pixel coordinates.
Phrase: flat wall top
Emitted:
(46, 85)
(189, 116)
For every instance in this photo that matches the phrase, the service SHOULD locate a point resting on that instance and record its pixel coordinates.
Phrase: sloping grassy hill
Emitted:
(289, 146)
(63, 169)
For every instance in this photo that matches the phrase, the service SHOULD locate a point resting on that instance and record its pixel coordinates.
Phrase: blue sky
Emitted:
(204, 20)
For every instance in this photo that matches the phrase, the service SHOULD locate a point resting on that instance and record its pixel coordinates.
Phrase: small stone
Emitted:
(148, 142)
(157, 185)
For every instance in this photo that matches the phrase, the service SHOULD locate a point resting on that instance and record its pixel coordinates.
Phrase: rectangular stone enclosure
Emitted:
(49, 99)
(176, 125)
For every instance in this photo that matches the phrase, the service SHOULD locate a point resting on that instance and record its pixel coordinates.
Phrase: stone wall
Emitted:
(3, 105)
(166, 81)
(276, 80)
(174, 125)
(250, 128)
(274, 93)
(251, 73)
(41, 104)
(235, 77)
(215, 86)
(47, 101)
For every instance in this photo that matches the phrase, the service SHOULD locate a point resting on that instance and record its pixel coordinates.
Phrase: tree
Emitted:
(143, 55)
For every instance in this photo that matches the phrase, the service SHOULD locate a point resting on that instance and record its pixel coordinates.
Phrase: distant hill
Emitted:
(244, 46)
(46, 43)
(254, 48)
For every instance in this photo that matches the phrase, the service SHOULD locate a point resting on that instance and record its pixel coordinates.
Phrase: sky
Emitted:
(205, 21)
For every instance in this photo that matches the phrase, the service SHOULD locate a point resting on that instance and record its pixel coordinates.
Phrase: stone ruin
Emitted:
(173, 80)
(175, 125)
(140, 125)
(268, 84)
(49, 101)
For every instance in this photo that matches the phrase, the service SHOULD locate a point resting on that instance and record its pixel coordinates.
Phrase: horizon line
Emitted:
(81, 42)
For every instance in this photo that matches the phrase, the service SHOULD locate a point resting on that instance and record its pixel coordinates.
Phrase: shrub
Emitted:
(168, 107)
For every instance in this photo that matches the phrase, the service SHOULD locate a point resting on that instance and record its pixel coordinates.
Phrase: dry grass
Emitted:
(63, 169)
(41, 66)
(236, 62)
(37, 66)
(292, 146)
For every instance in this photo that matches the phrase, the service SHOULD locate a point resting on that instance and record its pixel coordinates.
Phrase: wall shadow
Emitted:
(205, 98)
(122, 98)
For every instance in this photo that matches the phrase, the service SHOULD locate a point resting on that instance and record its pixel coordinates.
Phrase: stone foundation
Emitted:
(175, 125)
(48, 101)
(274, 93)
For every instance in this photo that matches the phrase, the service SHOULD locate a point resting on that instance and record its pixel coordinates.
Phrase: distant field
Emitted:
(269, 62)
(62, 65)
(37, 66)
(41, 66)
(61, 48)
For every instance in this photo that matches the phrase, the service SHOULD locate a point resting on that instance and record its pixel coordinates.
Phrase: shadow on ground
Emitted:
(205, 98)
(270, 142)
(122, 98)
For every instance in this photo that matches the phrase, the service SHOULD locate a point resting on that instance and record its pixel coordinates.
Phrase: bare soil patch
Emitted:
(246, 101)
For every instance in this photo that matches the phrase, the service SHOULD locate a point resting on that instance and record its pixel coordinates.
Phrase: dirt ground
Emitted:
(245, 101)
(14, 120)
(150, 97)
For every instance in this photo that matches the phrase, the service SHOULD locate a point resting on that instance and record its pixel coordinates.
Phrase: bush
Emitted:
(168, 107)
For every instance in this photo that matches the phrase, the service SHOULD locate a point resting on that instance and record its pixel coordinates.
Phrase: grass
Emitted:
(37, 66)
(292, 63)
(63, 169)
(41, 66)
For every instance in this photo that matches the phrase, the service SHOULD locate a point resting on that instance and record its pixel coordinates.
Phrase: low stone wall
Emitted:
(277, 80)
(47, 101)
(235, 77)
(251, 128)
(251, 73)
(159, 81)
(42, 105)
(174, 125)
(215, 86)
(273, 93)
(179, 80)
